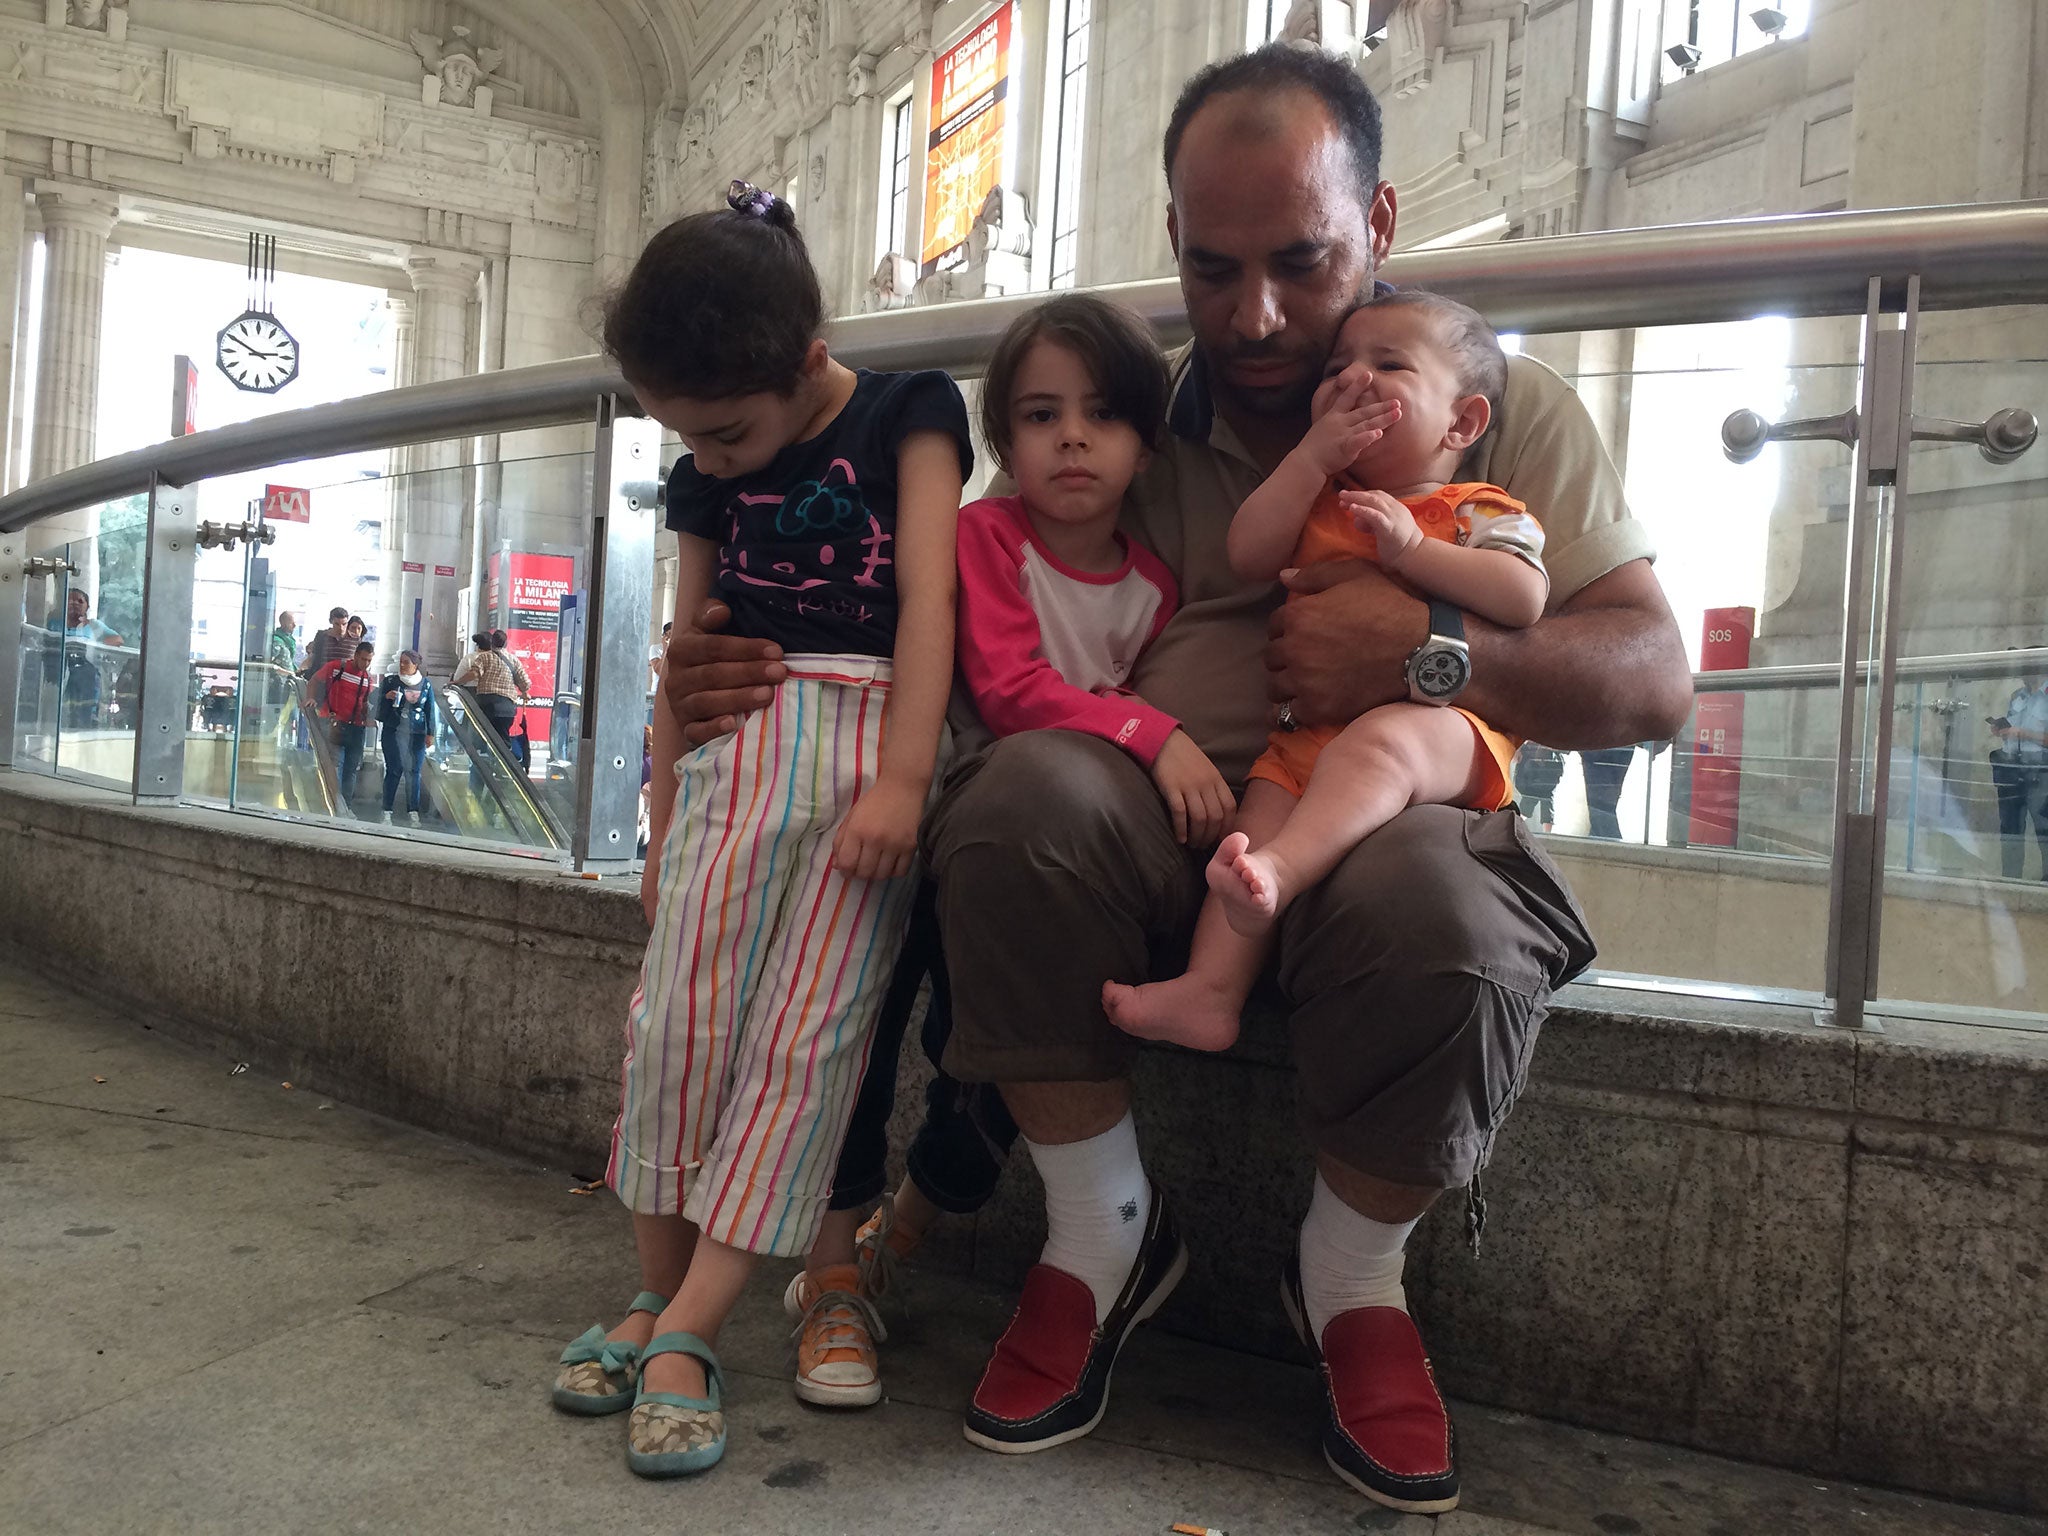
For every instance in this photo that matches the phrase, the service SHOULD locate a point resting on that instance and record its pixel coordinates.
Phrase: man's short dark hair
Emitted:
(1482, 365)
(336, 615)
(1117, 348)
(365, 646)
(1280, 67)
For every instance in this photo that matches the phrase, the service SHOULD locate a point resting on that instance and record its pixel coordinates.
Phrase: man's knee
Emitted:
(1438, 892)
(1044, 800)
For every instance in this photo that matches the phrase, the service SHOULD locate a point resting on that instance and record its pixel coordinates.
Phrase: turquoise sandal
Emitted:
(670, 1435)
(598, 1373)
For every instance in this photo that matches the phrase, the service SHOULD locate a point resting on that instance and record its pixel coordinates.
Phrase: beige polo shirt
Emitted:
(1207, 668)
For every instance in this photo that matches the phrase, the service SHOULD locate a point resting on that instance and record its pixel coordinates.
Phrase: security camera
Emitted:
(1684, 55)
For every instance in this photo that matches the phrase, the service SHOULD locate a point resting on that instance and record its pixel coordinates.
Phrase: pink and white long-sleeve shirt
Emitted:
(1043, 646)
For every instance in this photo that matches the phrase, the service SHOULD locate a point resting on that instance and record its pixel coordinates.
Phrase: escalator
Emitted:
(472, 783)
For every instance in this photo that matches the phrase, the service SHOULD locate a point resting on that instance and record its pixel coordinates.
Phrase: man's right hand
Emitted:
(712, 679)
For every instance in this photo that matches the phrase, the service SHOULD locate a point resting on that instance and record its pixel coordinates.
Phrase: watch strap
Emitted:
(1446, 620)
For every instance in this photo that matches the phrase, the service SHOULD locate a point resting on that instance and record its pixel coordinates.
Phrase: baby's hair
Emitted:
(1114, 345)
(1482, 366)
(719, 304)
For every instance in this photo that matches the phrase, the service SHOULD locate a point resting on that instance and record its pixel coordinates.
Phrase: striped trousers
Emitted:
(748, 1033)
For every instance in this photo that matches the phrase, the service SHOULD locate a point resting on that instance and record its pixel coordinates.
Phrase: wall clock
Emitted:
(254, 349)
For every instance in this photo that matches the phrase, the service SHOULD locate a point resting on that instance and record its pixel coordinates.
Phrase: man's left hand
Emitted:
(1341, 647)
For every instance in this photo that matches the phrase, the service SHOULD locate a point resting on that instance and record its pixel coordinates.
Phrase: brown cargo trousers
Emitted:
(1416, 975)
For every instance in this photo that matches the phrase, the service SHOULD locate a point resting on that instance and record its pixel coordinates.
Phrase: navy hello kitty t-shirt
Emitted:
(806, 545)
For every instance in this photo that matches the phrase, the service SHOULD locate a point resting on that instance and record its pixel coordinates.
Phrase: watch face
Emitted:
(1441, 670)
(256, 353)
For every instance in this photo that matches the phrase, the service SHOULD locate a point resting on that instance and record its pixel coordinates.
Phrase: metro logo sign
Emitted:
(287, 504)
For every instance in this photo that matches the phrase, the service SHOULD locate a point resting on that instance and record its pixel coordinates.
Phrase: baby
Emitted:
(1411, 386)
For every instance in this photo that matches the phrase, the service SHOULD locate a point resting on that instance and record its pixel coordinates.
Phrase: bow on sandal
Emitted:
(669, 1434)
(598, 1374)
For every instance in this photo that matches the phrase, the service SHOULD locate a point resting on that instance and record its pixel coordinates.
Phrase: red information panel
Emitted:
(1717, 742)
(532, 592)
(965, 154)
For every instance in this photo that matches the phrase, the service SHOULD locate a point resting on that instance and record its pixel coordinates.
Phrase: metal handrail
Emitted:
(1828, 674)
(1804, 265)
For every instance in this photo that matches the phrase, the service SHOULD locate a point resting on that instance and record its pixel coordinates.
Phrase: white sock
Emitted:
(1348, 1260)
(1097, 1202)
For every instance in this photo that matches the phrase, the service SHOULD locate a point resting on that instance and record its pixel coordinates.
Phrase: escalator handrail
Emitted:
(510, 772)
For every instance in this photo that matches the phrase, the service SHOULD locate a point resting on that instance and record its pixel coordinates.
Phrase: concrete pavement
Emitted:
(228, 1305)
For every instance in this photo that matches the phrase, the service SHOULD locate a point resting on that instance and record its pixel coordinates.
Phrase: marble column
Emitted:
(435, 499)
(14, 292)
(76, 224)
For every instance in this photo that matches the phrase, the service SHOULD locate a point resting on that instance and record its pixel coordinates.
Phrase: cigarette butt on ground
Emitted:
(1196, 1530)
(587, 1189)
(579, 874)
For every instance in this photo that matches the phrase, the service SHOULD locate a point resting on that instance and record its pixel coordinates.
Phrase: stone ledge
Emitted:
(1730, 1228)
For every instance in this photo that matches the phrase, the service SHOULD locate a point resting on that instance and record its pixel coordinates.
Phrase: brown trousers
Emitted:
(1416, 975)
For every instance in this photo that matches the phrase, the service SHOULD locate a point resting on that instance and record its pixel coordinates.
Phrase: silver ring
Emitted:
(1286, 719)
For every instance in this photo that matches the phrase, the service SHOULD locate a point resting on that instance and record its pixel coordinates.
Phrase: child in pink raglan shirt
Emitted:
(1055, 604)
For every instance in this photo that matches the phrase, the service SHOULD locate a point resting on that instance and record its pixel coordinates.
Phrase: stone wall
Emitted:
(1729, 1229)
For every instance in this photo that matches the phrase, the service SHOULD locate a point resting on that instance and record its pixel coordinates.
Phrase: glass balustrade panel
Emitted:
(1705, 858)
(406, 561)
(1965, 922)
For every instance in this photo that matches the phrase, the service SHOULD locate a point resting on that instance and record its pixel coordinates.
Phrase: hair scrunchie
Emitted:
(745, 197)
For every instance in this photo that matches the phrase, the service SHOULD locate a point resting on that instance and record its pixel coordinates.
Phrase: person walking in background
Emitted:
(331, 644)
(502, 644)
(347, 691)
(1538, 771)
(1605, 771)
(284, 642)
(405, 706)
(498, 682)
(2019, 774)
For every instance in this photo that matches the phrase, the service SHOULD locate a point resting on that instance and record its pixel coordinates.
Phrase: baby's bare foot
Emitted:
(1186, 1011)
(1247, 883)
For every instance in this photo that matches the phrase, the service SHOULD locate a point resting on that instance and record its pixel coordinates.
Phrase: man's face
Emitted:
(76, 606)
(1274, 243)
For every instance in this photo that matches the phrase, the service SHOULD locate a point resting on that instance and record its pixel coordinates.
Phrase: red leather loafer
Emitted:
(1048, 1380)
(1386, 1431)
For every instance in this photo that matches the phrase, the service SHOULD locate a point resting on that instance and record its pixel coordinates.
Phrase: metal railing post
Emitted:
(13, 614)
(167, 576)
(625, 488)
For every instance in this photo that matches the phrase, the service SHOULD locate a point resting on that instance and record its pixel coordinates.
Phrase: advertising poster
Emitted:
(966, 152)
(528, 588)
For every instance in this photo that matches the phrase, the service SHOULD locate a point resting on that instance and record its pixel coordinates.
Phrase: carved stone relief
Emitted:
(458, 71)
(1416, 34)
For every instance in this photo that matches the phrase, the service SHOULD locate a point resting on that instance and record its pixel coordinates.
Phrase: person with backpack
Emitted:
(347, 691)
(405, 707)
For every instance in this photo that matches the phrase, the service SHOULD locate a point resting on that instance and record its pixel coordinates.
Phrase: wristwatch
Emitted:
(1441, 666)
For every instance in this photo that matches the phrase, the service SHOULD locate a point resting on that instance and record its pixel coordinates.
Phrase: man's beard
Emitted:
(1277, 400)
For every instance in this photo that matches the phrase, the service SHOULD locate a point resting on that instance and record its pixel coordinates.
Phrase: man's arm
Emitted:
(1605, 669)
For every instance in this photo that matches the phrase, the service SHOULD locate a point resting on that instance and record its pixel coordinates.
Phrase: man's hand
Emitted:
(1349, 427)
(1388, 520)
(879, 835)
(1342, 646)
(1197, 798)
(713, 679)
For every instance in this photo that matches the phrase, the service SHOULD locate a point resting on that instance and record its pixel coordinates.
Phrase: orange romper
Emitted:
(1482, 516)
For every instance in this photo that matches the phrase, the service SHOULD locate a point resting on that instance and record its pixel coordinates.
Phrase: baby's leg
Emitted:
(1200, 1008)
(1383, 762)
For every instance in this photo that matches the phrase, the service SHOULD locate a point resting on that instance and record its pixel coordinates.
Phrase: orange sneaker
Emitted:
(835, 1342)
(883, 1244)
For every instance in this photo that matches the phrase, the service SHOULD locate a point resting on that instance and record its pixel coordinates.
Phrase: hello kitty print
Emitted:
(806, 546)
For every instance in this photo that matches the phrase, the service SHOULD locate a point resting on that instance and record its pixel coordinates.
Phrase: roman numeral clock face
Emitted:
(256, 353)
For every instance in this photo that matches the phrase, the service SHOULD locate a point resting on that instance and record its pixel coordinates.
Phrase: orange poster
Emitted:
(965, 154)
